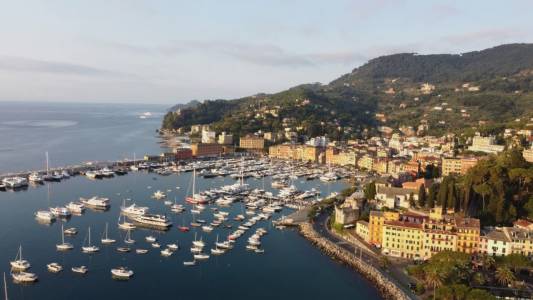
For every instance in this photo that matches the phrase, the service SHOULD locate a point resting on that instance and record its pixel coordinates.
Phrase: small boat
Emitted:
(122, 273)
(45, 215)
(35, 178)
(71, 231)
(259, 250)
(89, 248)
(198, 243)
(217, 251)
(184, 228)
(19, 263)
(60, 211)
(141, 251)
(189, 263)
(201, 256)
(54, 267)
(105, 239)
(173, 247)
(96, 202)
(207, 228)
(166, 252)
(24, 277)
(75, 207)
(133, 210)
(251, 247)
(156, 245)
(123, 249)
(64, 246)
(159, 195)
(80, 269)
(150, 239)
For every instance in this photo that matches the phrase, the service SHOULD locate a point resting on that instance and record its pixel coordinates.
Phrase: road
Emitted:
(395, 271)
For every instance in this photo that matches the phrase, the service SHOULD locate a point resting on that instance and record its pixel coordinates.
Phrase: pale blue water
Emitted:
(290, 268)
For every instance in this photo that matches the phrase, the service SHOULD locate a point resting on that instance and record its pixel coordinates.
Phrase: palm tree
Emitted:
(504, 276)
(434, 278)
(487, 261)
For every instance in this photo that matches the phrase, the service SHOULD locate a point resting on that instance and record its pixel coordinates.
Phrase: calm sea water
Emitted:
(74, 133)
(290, 268)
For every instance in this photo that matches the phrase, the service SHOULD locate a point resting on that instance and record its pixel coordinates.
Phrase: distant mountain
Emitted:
(445, 91)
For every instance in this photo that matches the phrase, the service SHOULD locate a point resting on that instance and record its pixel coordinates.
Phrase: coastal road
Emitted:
(394, 272)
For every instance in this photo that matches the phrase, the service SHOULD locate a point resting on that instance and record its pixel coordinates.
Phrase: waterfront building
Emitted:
(521, 240)
(494, 242)
(225, 139)
(304, 153)
(403, 239)
(439, 235)
(347, 212)
(206, 150)
(468, 232)
(183, 153)
(208, 137)
(362, 230)
(366, 162)
(252, 143)
(344, 157)
(376, 221)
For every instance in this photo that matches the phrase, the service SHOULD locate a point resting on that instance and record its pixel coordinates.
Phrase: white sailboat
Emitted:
(89, 248)
(128, 239)
(198, 243)
(125, 224)
(64, 246)
(106, 240)
(217, 251)
(19, 263)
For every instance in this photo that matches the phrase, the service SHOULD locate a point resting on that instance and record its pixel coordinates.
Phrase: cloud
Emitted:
(257, 54)
(20, 64)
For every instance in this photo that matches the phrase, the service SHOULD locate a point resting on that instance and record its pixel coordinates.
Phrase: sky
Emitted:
(173, 51)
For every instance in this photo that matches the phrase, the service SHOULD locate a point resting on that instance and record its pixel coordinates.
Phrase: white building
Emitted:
(485, 144)
(208, 137)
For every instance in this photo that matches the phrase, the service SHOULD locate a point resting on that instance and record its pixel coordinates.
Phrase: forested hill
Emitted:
(445, 91)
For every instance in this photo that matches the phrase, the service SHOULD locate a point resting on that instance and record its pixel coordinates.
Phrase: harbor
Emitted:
(232, 215)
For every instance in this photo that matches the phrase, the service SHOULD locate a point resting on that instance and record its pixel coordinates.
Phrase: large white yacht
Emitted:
(121, 273)
(15, 182)
(75, 207)
(96, 202)
(60, 211)
(134, 210)
(152, 220)
(45, 215)
(35, 178)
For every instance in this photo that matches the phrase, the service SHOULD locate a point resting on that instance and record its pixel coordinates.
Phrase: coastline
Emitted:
(388, 289)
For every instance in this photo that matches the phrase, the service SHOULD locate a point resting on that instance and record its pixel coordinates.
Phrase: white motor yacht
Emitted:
(45, 215)
(96, 202)
(75, 207)
(54, 267)
(121, 273)
(150, 239)
(15, 182)
(24, 277)
(134, 210)
(159, 195)
(60, 211)
(166, 252)
(35, 178)
(80, 269)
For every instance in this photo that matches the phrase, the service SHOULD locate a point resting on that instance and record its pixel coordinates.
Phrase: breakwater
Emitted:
(384, 285)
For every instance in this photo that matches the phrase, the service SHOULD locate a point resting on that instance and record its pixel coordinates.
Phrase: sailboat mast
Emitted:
(89, 236)
(47, 166)
(5, 286)
(62, 235)
(193, 181)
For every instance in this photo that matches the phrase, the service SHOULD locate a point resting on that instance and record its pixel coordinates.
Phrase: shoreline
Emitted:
(386, 288)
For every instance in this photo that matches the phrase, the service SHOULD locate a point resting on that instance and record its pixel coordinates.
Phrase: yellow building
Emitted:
(403, 239)
(296, 152)
(366, 162)
(528, 155)
(362, 230)
(457, 165)
(468, 231)
(439, 235)
(340, 157)
(252, 143)
(376, 221)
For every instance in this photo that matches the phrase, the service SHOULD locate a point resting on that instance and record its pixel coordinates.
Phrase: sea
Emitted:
(290, 267)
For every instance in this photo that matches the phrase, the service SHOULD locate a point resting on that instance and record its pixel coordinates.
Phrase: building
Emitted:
(225, 139)
(304, 153)
(183, 153)
(439, 235)
(208, 137)
(495, 242)
(206, 150)
(335, 156)
(376, 221)
(468, 233)
(347, 212)
(394, 197)
(521, 240)
(402, 239)
(485, 144)
(362, 230)
(252, 143)
(528, 155)
(458, 165)
(366, 162)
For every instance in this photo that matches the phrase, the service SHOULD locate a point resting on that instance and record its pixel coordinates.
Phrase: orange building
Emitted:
(206, 150)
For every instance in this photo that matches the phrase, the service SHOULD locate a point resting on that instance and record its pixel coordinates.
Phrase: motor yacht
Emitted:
(54, 267)
(24, 277)
(80, 270)
(75, 207)
(121, 273)
(96, 202)
(60, 211)
(45, 215)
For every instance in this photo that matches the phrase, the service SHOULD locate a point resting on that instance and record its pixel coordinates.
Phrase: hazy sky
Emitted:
(173, 51)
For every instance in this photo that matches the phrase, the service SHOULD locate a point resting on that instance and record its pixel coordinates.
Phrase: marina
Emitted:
(236, 229)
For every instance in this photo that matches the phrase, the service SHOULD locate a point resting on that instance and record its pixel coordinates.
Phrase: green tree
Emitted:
(478, 278)
(422, 196)
(370, 190)
(432, 193)
(484, 190)
(477, 294)
(434, 278)
(412, 202)
(504, 276)
(515, 261)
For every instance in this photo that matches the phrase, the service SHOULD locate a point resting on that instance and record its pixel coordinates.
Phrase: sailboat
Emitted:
(125, 224)
(217, 251)
(19, 263)
(128, 239)
(134, 166)
(192, 199)
(89, 248)
(198, 243)
(64, 246)
(106, 240)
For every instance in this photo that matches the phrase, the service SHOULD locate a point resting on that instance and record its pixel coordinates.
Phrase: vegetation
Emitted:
(454, 275)
(345, 108)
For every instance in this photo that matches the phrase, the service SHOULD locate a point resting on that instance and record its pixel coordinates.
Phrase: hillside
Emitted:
(445, 91)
